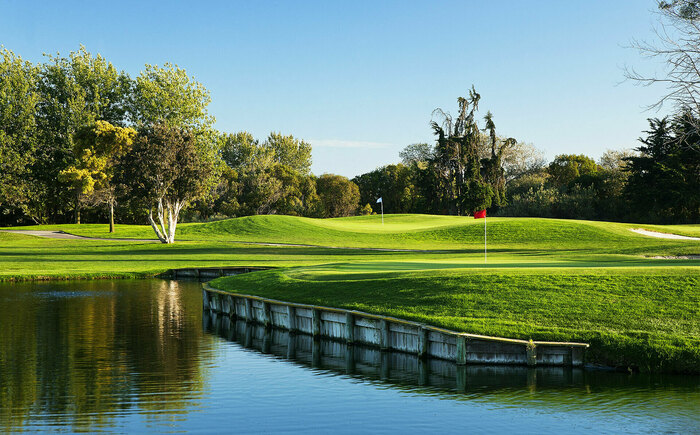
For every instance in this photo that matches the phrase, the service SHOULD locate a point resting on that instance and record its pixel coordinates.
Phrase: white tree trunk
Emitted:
(167, 211)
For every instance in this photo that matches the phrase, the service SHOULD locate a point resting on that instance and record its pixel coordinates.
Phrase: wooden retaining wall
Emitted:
(206, 273)
(388, 333)
(395, 367)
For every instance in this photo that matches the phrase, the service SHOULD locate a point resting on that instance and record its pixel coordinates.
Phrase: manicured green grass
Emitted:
(545, 278)
(419, 232)
(632, 318)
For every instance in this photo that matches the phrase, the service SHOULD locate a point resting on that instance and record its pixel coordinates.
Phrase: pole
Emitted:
(382, 203)
(484, 239)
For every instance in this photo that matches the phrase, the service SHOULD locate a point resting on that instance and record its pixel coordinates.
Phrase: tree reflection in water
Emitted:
(87, 350)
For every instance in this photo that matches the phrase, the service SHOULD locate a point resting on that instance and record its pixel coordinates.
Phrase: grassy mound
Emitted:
(647, 320)
(424, 232)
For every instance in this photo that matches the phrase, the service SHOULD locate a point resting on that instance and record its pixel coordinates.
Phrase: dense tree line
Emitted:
(83, 141)
(658, 182)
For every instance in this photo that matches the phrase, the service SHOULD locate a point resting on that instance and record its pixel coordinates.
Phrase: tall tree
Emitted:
(417, 153)
(75, 91)
(664, 182)
(566, 168)
(175, 166)
(457, 162)
(18, 134)
(168, 95)
(290, 152)
(338, 196)
(98, 149)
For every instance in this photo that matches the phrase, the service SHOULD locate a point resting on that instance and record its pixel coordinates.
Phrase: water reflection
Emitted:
(133, 356)
(564, 388)
(97, 352)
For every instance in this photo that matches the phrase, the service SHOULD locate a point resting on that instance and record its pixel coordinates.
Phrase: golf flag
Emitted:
(481, 214)
(379, 200)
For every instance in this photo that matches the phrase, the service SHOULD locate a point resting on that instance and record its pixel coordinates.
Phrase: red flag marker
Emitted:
(481, 214)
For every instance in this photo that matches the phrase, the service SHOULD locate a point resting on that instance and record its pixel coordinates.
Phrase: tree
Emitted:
(74, 91)
(566, 168)
(394, 184)
(664, 181)
(290, 152)
(467, 182)
(174, 166)
(18, 135)
(239, 150)
(98, 148)
(679, 47)
(338, 196)
(417, 153)
(168, 95)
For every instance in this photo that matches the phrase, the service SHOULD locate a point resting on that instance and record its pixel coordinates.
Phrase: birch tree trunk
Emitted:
(169, 212)
(111, 215)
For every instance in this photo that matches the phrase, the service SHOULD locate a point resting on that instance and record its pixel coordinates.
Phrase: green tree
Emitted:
(18, 134)
(170, 168)
(241, 150)
(566, 168)
(74, 91)
(394, 184)
(290, 152)
(664, 182)
(338, 196)
(417, 153)
(168, 95)
(466, 182)
(98, 148)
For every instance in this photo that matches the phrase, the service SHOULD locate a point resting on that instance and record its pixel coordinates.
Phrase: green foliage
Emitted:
(97, 149)
(664, 181)
(168, 95)
(291, 152)
(74, 91)
(366, 210)
(175, 167)
(417, 153)
(394, 184)
(172, 163)
(566, 168)
(18, 136)
(338, 196)
(268, 178)
(239, 150)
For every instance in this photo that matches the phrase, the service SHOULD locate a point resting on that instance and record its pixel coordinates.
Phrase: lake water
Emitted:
(140, 355)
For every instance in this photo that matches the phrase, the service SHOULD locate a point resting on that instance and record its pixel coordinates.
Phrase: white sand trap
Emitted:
(662, 235)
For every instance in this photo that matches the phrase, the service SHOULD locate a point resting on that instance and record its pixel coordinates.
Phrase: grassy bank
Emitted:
(647, 319)
(545, 279)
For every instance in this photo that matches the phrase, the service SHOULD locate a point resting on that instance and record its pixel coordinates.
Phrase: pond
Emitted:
(141, 355)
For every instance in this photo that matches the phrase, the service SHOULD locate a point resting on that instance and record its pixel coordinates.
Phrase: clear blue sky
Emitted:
(360, 79)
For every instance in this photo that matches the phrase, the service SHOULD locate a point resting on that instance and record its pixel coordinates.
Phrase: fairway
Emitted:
(544, 279)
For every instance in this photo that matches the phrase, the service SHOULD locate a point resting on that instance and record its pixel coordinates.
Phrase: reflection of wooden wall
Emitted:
(389, 333)
(396, 367)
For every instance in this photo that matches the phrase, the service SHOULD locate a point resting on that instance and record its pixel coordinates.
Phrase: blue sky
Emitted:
(359, 80)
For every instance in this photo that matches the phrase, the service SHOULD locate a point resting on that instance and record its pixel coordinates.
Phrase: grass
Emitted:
(545, 279)
(646, 319)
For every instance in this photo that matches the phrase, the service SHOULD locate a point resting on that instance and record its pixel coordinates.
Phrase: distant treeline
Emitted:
(80, 140)
(658, 182)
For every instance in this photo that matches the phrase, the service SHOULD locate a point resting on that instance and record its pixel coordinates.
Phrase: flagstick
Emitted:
(382, 203)
(484, 239)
